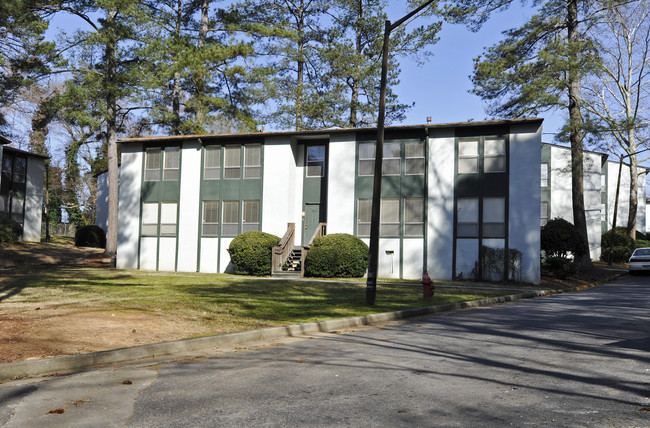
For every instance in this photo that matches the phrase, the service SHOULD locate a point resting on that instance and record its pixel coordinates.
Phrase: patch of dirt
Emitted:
(32, 331)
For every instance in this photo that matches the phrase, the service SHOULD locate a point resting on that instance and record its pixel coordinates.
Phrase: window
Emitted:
(544, 214)
(172, 163)
(168, 213)
(364, 216)
(150, 219)
(212, 163)
(414, 217)
(315, 161)
(468, 156)
(366, 159)
(603, 183)
(230, 218)
(232, 165)
(467, 218)
(251, 216)
(210, 218)
(603, 212)
(389, 215)
(152, 159)
(252, 161)
(392, 159)
(494, 217)
(20, 169)
(544, 175)
(494, 153)
(7, 160)
(414, 162)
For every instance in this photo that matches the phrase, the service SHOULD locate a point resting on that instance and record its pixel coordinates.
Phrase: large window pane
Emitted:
(544, 175)
(468, 156)
(414, 217)
(494, 150)
(467, 218)
(212, 163)
(7, 161)
(251, 216)
(392, 159)
(315, 161)
(210, 218)
(252, 161)
(389, 214)
(414, 162)
(232, 165)
(494, 217)
(364, 215)
(152, 163)
(168, 214)
(230, 218)
(20, 169)
(149, 219)
(366, 159)
(172, 163)
(544, 214)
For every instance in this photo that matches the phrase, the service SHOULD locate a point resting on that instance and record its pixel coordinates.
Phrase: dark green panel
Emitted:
(170, 190)
(251, 189)
(231, 190)
(413, 186)
(495, 184)
(211, 190)
(151, 191)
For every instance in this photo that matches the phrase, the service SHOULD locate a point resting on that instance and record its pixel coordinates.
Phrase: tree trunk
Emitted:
(111, 134)
(583, 261)
(634, 201)
(354, 97)
(300, 66)
(199, 96)
(176, 88)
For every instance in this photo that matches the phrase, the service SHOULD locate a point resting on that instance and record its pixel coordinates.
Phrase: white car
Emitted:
(640, 261)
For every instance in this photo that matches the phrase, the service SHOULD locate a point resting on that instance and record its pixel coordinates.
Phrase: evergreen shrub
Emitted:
(560, 267)
(337, 256)
(90, 236)
(620, 254)
(559, 238)
(10, 232)
(250, 252)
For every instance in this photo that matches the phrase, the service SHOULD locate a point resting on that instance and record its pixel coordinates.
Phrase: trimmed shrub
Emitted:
(559, 238)
(641, 244)
(250, 252)
(620, 239)
(560, 267)
(337, 256)
(10, 232)
(620, 254)
(90, 236)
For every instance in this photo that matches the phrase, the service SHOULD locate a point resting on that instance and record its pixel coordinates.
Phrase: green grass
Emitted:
(223, 303)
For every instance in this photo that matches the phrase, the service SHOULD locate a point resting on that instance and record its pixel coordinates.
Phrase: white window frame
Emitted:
(152, 154)
(168, 218)
(414, 157)
(171, 163)
(544, 174)
(150, 219)
(543, 214)
(253, 164)
(229, 226)
(390, 159)
(414, 222)
(494, 217)
(389, 217)
(468, 157)
(229, 166)
(364, 216)
(250, 215)
(210, 170)
(366, 159)
(467, 216)
(494, 153)
(210, 226)
(309, 163)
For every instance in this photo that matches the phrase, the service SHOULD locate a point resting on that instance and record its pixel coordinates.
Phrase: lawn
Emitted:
(223, 303)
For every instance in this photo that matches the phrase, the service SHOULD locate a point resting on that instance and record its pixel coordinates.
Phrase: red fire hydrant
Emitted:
(427, 287)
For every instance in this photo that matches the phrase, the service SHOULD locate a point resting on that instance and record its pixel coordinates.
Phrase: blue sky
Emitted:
(440, 87)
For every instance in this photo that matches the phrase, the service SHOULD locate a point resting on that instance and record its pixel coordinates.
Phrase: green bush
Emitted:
(560, 267)
(641, 244)
(620, 239)
(90, 236)
(337, 256)
(10, 232)
(559, 238)
(620, 254)
(250, 252)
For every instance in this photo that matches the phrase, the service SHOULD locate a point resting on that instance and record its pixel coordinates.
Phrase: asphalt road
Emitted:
(571, 360)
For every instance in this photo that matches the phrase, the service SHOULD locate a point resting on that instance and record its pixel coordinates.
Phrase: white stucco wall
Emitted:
(279, 205)
(440, 204)
(525, 198)
(33, 199)
(190, 208)
(130, 189)
(340, 185)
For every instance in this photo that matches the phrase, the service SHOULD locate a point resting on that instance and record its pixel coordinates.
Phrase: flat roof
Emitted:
(325, 131)
(23, 152)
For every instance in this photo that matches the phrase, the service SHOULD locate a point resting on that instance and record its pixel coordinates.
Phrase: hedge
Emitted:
(337, 256)
(250, 252)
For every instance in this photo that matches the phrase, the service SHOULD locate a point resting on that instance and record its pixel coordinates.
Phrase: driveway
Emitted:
(573, 359)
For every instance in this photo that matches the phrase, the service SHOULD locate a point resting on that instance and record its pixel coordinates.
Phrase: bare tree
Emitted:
(617, 97)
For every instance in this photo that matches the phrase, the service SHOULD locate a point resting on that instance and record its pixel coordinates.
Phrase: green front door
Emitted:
(314, 196)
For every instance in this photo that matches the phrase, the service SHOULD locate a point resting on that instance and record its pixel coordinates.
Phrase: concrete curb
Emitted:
(68, 363)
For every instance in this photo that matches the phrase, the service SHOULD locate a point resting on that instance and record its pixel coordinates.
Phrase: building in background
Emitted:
(600, 178)
(21, 189)
(449, 191)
